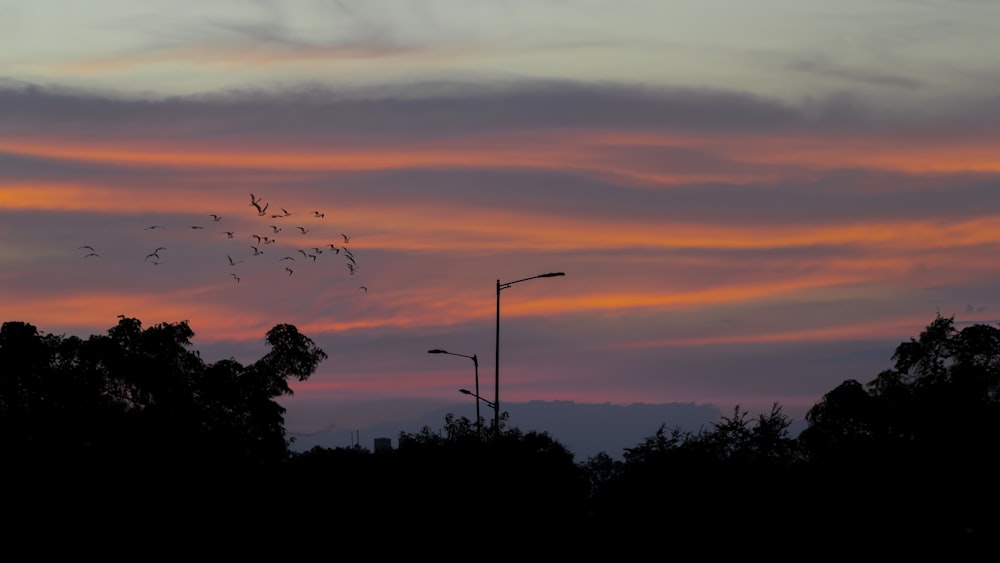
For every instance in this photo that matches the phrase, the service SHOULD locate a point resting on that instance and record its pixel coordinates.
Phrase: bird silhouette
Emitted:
(346, 238)
(215, 217)
(289, 270)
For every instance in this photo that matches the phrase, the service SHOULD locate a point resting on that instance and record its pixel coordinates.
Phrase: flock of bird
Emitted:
(258, 242)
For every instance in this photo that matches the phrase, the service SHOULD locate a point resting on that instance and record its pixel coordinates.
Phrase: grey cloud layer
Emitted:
(431, 109)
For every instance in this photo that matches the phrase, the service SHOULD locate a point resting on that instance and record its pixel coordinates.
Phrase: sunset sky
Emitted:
(751, 201)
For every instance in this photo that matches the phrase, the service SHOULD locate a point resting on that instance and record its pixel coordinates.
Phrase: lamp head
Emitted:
(436, 351)
(552, 274)
(465, 391)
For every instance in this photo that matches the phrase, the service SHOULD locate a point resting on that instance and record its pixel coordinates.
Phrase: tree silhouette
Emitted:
(143, 397)
(913, 452)
(942, 398)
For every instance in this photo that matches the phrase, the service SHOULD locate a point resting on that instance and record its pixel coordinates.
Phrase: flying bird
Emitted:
(88, 247)
(235, 277)
(346, 238)
(229, 234)
(289, 270)
(303, 229)
(318, 214)
(231, 261)
(255, 201)
(364, 288)
(215, 217)
(92, 254)
(256, 252)
(153, 227)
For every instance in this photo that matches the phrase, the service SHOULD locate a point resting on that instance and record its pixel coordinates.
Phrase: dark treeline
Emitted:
(905, 460)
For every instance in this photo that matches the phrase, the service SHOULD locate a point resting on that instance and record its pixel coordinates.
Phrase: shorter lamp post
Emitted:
(475, 362)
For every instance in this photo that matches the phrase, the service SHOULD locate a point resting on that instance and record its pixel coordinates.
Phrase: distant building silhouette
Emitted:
(383, 445)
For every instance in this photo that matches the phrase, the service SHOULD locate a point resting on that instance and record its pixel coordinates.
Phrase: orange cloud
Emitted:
(555, 150)
(896, 327)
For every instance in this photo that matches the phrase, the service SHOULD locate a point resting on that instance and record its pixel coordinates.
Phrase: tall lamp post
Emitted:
(496, 373)
(475, 361)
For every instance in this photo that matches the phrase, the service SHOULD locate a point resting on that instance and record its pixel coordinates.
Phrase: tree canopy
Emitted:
(142, 395)
(940, 400)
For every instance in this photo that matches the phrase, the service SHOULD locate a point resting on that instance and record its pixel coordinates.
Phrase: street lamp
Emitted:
(475, 361)
(496, 373)
(488, 402)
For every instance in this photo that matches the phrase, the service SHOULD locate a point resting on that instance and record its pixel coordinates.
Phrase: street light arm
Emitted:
(437, 351)
(488, 402)
(549, 275)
